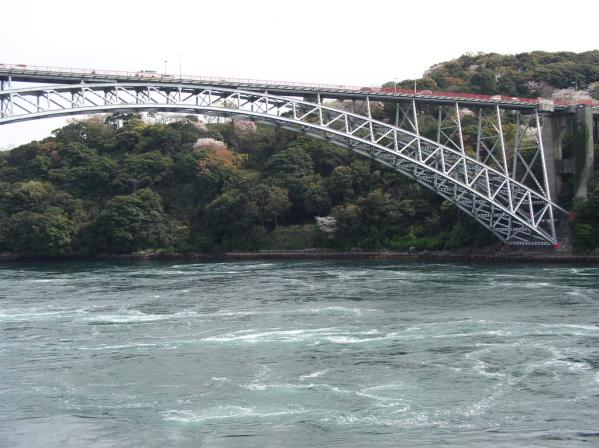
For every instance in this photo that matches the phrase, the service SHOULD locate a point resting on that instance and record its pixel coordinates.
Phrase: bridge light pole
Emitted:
(179, 66)
(395, 85)
(165, 62)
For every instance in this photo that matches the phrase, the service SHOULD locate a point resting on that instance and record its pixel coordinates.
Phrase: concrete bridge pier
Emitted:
(568, 140)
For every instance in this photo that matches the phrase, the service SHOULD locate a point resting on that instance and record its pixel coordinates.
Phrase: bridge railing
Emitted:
(150, 75)
(153, 75)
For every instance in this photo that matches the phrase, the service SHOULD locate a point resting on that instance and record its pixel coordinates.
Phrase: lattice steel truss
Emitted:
(512, 203)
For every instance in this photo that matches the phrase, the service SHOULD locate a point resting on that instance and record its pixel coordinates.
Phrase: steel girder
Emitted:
(513, 211)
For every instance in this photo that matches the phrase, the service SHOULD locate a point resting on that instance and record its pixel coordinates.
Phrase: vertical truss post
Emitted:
(369, 112)
(490, 144)
(319, 102)
(501, 140)
(415, 115)
(406, 116)
(479, 134)
(5, 84)
(517, 140)
(416, 129)
(528, 164)
(449, 127)
(439, 123)
(542, 155)
(459, 122)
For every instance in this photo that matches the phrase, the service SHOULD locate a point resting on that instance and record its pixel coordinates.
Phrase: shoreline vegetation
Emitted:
(522, 256)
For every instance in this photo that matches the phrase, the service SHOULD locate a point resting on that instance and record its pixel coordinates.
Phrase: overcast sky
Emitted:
(353, 42)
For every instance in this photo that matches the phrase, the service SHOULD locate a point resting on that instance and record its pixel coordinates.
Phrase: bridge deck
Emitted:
(28, 73)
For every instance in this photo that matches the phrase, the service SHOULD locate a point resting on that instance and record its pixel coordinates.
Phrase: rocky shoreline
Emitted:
(320, 254)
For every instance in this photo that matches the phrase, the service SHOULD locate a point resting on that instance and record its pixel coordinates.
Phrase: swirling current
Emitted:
(298, 354)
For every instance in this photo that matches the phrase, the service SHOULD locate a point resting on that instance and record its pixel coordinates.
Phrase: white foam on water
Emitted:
(313, 374)
(226, 313)
(336, 309)
(259, 387)
(254, 387)
(135, 316)
(226, 412)
(118, 347)
(573, 366)
(132, 317)
(354, 340)
(275, 335)
(255, 266)
(411, 420)
(377, 394)
(592, 328)
(318, 335)
(481, 368)
(584, 271)
(37, 314)
(481, 406)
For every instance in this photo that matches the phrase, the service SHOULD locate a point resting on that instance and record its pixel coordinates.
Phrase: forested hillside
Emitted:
(538, 73)
(121, 183)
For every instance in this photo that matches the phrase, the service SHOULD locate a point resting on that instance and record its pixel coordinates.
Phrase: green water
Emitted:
(298, 354)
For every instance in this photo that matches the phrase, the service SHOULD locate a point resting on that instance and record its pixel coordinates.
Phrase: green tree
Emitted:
(484, 81)
(317, 201)
(92, 133)
(229, 216)
(38, 233)
(142, 170)
(293, 162)
(272, 203)
(340, 184)
(130, 223)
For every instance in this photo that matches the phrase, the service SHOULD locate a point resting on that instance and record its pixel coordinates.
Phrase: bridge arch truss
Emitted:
(486, 185)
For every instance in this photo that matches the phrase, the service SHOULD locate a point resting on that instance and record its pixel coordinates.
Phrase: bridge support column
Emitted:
(552, 133)
(584, 157)
(568, 141)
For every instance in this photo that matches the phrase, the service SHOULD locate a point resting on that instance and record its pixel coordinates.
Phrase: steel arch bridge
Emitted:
(507, 194)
